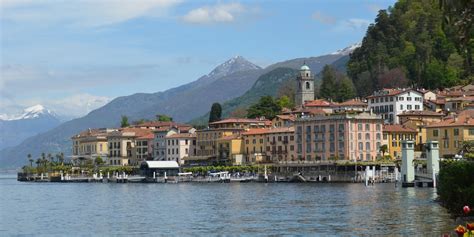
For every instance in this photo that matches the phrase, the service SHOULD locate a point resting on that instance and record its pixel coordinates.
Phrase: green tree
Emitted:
(99, 161)
(383, 149)
(216, 113)
(30, 160)
(124, 122)
(266, 107)
(164, 118)
(285, 102)
(345, 90)
(328, 85)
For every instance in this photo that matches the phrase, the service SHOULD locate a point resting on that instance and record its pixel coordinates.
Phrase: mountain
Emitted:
(347, 50)
(16, 128)
(227, 81)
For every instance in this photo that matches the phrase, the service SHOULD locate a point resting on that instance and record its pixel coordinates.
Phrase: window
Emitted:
(456, 132)
(400, 98)
(377, 127)
(367, 136)
(386, 99)
(367, 127)
(359, 127)
(391, 99)
(308, 86)
(308, 147)
(471, 131)
(359, 136)
(384, 136)
(435, 132)
(401, 107)
(367, 146)
(391, 108)
(361, 146)
(417, 107)
(332, 147)
(408, 98)
(377, 136)
(408, 107)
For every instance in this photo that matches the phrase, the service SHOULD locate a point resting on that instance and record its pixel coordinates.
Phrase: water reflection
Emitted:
(219, 209)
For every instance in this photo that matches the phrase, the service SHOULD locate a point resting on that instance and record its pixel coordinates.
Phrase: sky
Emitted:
(73, 56)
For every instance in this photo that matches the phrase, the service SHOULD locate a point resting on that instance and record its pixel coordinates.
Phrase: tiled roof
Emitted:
(93, 132)
(397, 128)
(286, 117)
(438, 101)
(390, 92)
(230, 137)
(182, 135)
(464, 118)
(240, 120)
(259, 131)
(317, 103)
(352, 102)
(420, 113)
(140, 133)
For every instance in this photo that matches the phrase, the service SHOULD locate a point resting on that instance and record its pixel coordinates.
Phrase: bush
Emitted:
(456, 185)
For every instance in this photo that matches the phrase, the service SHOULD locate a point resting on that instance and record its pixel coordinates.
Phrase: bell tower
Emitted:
(305, 86)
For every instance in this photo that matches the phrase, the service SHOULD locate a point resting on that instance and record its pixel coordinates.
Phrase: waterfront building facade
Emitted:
(452, 132)
(393, 135)
(240, 123)
(159, 141)
(305, 86)
(179, 146)
(350, 105)
(356, 136)
(389, 103)
(143, 148)
(254, 145)
(230, 149)
(90, 144)
(206, 142)
(280, 144)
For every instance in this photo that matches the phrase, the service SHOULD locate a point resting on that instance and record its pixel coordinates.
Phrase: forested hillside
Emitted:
(425, 43)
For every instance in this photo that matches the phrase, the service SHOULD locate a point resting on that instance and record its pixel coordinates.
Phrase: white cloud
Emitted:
(357, 24)
(220, 13)
(76, 105)
(323, 18)
(88, 13)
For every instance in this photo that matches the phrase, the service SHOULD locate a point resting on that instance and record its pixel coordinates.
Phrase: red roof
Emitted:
(397, 128)
(352, 102)
(464, 118)
(241, 120)
(420, 113)
(317, 103)
(182, 135)
(390, 92)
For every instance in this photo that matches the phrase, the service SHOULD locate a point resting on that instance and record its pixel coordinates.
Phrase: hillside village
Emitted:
(315, 130)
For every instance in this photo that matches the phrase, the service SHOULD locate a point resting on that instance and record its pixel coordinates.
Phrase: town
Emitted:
(315, 132)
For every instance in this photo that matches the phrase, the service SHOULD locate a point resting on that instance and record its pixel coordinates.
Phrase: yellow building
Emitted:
(230, 149)
(418, 120)
(90, 144)
(206, 142)
(452, 132)
(254, 145)
(393, 135)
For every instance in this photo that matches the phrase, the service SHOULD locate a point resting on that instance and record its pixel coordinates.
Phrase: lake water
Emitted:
(71, 209)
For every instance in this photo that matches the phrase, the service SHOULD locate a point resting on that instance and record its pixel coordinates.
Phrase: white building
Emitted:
(159, 141)
(179, 146)
(391, 102)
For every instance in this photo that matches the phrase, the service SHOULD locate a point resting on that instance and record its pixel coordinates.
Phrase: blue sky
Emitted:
(73, 56)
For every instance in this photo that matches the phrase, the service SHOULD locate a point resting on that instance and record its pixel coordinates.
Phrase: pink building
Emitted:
(338, 136)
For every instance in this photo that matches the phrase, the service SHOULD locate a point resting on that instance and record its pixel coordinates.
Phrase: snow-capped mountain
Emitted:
(32, 112)
(33, 120)
(235, 64)
(347, 50)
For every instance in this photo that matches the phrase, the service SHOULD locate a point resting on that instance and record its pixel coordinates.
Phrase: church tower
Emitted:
(305, 86)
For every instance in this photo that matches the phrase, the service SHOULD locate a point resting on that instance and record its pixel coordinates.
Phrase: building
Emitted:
(179, 146)
(151, 169)
(418, 120)
(159, 141)
(319, 104)
(305, 86)
(389, 103)
(393, 135)
(452, 132)
(254, 145)
(240, 123)
(90, 144)
(280, 144)
(230, 149)
(338, 136)
(350, 105)
(143, 149)
(284, 120)
(120, 144)
(207, 141)
(427, 94)
(458, 103)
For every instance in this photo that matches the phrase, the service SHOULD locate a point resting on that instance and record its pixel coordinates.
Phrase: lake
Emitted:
(218, 209)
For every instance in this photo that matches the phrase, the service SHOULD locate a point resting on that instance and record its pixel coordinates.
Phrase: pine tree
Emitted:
(216, 113)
